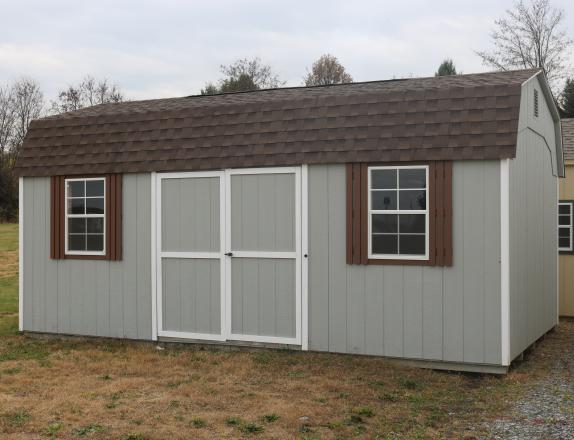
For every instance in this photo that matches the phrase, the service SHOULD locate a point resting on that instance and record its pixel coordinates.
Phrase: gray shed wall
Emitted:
(433, 313)
(88, 297)
(533, 220)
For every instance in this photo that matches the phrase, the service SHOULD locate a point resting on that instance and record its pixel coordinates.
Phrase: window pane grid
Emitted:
(565, 233)
(389, 188)
(85, 199)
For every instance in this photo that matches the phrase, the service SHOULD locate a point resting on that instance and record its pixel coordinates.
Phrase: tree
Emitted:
(567, 99)
(446, 68)
(8, 193)
(87, 93)
(19, 104)
(243, 82)
(210, 89)
(530, 36)
(28, 101)
(243, 75)
(327, 70)
(6, 122)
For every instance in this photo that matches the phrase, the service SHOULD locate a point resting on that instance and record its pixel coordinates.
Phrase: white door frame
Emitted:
(300, 256)
(296, 255)
(159, 177)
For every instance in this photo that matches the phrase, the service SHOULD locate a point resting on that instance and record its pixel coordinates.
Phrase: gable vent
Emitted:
(535, 103)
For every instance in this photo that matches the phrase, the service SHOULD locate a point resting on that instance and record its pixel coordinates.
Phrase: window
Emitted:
(398, 212)
(565, 209)
(85, 216)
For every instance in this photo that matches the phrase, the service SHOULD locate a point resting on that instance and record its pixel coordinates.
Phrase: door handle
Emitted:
(229, 254)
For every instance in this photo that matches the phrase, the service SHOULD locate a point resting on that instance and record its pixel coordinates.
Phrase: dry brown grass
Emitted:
(118, 388)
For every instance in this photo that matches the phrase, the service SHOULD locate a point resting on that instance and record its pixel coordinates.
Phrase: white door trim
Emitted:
(296, 171)
(301, 264)
(174, 254)
(154, 213)
(305, 259)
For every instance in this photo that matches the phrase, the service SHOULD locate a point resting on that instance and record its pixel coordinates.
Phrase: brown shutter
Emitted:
(113, 219)
(56, 217)
(355, 216)
(440, 216)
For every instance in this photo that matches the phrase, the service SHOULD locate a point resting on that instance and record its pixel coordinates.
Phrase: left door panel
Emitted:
(190, 257)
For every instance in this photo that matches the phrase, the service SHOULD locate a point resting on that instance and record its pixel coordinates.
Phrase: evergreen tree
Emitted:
(446, 68)
(567, 101)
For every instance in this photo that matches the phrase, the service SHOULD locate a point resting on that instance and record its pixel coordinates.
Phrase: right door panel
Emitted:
(263, 226)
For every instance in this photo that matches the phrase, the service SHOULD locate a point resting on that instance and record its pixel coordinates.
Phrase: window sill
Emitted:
(400, 262)
(85, 257)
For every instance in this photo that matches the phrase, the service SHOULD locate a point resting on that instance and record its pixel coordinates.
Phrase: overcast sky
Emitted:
(155, 49)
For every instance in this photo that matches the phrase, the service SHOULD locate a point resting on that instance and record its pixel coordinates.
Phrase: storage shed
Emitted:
(566, 222)
(411, 218)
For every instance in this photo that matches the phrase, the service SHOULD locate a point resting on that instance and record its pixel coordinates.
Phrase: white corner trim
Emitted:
(505, 260)
(153, 259)
(21, 253)
(305, 257)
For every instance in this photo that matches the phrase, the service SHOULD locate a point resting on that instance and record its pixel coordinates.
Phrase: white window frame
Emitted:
(68, 215)
(569, 226)
(371, 211)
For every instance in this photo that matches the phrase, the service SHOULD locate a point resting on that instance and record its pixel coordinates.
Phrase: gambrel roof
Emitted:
(439, 118)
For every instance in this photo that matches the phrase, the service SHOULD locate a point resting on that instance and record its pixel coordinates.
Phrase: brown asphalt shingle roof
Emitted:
(568, 138)
(440, 118)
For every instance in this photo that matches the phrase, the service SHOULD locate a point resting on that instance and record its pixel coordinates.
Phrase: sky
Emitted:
(157, 49)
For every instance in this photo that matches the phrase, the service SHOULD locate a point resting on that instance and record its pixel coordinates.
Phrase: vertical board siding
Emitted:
(434, 313)
(263, 212)
(190, 214)
(533, 243)
(533, 224)
(319, 306)
(263, 297)
(88, 297)
(191, 295)
(566, 260)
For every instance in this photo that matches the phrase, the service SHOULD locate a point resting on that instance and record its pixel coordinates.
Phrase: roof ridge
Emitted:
(286, 93)
(375, 81)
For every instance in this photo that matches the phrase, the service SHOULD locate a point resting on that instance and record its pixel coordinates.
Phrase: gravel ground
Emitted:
(546, 408)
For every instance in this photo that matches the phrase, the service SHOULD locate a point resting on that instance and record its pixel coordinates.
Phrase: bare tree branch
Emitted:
(243, 75)
(89, 92)
(327, 70)
(6, 122)
(531, 36)
(28, 101)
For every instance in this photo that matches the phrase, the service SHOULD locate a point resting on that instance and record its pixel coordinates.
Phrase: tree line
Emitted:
(530, 35)
(20, 103)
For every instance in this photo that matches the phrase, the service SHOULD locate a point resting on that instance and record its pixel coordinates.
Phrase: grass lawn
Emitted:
(8, 278)
(102, 389)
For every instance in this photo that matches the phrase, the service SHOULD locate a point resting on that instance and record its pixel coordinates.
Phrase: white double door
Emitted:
(229, 255)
